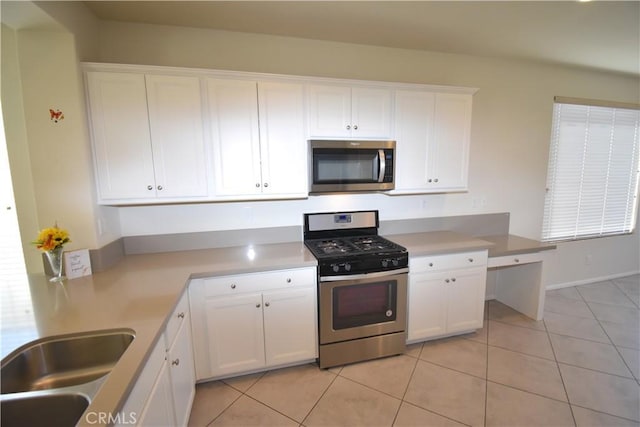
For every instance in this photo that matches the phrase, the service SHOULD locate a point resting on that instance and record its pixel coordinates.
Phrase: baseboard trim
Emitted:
(590, 280)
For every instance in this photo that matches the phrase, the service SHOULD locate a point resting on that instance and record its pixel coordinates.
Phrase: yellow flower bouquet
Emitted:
(51, 238)
(50, 241)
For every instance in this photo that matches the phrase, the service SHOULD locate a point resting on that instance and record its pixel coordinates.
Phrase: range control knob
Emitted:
(385, 263)
(347, 266)
(394, 262)
(335, 267)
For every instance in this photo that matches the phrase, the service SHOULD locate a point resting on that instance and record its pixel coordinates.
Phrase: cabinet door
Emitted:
(329, 111)
(427, 314)
(290, 325)
(370, 113)
(175, 120)
(121, 138)
(283, 146)
(449, 149)
(182, 373)
(159, 408)
(233, 116)
(414, 113)
(235, 333)
(466, 293)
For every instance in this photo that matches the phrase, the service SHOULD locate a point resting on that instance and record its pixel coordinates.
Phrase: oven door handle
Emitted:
(383, 165)
(364, 275)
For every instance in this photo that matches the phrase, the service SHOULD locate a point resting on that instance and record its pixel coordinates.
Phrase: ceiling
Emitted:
(600, 34)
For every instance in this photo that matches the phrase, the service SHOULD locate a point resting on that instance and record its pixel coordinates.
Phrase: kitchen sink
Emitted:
(66, 361)
(43, 410)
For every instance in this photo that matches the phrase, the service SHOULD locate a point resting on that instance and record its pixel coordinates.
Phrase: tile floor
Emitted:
(579, 366)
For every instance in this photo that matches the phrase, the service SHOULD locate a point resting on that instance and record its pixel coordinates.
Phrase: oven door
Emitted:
(362, 307)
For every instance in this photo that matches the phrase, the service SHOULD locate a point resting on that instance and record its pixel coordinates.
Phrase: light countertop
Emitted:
(511, 244)
(138, 294)
(438, 242)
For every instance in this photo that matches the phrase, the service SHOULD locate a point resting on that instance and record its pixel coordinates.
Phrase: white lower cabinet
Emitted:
(250, 322)
(446, 294)
(235, 340)
(164, 391)
(158, 411)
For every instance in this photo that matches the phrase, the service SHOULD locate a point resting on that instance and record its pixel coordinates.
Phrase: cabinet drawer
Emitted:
(178, 317)
(258, 282)
(506, 260)
(448, 261)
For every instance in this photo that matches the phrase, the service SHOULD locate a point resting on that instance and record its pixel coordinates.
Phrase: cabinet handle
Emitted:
(181, 315)
(266, 304)
(429, 180)
(266, 184)
(149, 187)
(470, 259)
(159, 187)
(446, 280)
(516, 260)
(175, 362)
(233, 286)
(258, 305)
(430, 264)
(453, 279)
(348, 127)
(288, 279)
(257, 185)
(355, 127)
(435, 180)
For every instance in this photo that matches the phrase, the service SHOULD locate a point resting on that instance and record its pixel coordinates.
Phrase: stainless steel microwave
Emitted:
(345, 166)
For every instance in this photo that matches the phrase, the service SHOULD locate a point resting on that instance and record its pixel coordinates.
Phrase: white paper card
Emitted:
(77, 263)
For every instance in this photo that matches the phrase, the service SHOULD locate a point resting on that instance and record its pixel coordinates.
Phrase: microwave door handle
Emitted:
(383, 165)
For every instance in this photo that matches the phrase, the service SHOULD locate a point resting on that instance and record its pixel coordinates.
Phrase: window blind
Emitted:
(592, 179)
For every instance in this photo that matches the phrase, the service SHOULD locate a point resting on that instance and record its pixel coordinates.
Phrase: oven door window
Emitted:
(343, 166)
(365, 304)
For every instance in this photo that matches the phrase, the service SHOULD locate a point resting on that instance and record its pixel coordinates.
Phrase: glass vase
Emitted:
(54, 257)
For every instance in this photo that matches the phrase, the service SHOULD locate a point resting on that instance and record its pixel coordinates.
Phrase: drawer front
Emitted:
(258, 282)
(178, 317)
(448, 261)
(507, 260)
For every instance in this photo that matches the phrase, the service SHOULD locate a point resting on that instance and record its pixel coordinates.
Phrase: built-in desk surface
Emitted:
(510, 244)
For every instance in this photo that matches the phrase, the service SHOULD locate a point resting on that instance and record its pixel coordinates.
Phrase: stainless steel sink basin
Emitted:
(62, 361)
(45, 410)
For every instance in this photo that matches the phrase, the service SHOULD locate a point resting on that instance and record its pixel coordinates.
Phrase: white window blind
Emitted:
(592, 180)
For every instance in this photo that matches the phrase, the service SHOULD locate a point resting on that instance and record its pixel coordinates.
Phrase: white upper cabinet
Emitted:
(121, 137)
(147, 137)
(448, 161)
(233, 117)
(283, 146)
(258, 138)
(349, 112)
(414, 125)
(176, 123)
(170, 135)
(432, 135)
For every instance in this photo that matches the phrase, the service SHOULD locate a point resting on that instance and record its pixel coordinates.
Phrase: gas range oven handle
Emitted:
(383, 165)
(364, 276)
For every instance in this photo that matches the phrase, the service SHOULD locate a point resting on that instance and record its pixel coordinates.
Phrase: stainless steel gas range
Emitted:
(362, 287)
